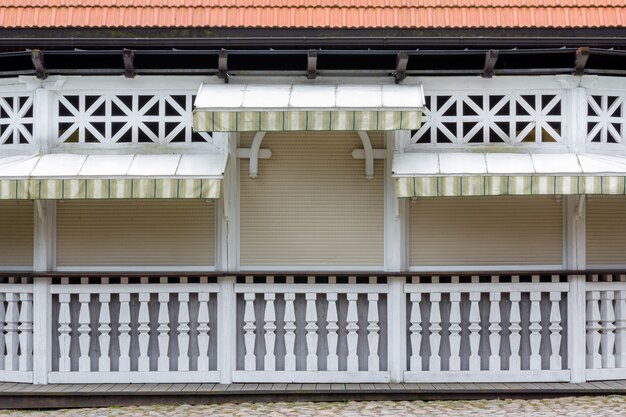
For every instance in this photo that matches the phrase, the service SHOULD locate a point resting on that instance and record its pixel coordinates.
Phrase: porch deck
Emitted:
(18, 395)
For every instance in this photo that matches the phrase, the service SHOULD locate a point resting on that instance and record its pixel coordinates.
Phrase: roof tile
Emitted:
(313, 13)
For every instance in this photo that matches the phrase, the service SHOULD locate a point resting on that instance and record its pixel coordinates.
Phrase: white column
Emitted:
(396, 326)
(574, 245)
(395, 210)
(44, 235)
(42, 334)
(228, 209)
(226, 339)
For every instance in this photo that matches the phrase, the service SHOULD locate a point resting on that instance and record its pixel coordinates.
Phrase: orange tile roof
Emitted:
(349, 14)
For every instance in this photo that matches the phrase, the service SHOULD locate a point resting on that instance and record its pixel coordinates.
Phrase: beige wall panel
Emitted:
(16, 234)
(606, 230)
(485, 231)
(136, 233)
(311, 204)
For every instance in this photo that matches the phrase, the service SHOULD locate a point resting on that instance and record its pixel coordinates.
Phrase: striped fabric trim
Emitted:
(74, 188)
(456, 186)
(279, 121)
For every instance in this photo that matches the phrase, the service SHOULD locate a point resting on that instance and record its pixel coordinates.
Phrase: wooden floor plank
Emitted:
(104, 387)
(353, 387)
(294, 387)
(425, 387)
(337, 387)
(8, 386)
(250, 387)
(147, 387)
(234, 387)
(382, 387)
(279, 387)
(322, 387)
(207, 388)
(264, 387)
(191, 388)
(161, 387)
(367, 386)
(308, 387)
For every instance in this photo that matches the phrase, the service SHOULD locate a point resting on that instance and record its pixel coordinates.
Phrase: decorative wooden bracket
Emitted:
(222, 66)
(401, 63)
(311, 69)
(369, 154)
(582, 55)
(491, 57)
(129, 63)
(38, 62)
(254, 153)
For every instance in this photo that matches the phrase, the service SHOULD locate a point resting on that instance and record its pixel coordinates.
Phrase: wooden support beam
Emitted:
(402, 61)
(311, 67)
(38, 62)
(222, 66)
(129, 63)
(491, 57)
(582, 55)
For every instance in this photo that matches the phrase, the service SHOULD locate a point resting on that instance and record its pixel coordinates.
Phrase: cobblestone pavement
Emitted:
(599, 406)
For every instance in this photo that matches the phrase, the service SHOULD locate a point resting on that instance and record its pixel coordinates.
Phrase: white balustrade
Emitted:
(16, 331)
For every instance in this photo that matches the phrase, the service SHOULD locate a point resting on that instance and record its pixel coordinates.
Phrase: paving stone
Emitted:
(591, 406)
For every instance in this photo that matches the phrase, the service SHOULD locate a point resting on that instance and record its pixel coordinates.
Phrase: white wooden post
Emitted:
(574, 213)
(226, 336)
(42, 334)
(332, 362)
(395, 209)
(396, 327)
(228, 211)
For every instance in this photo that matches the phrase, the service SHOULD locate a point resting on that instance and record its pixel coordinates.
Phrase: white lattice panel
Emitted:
(504, 117)
(606, 120)
(16, 119)
(127, 118)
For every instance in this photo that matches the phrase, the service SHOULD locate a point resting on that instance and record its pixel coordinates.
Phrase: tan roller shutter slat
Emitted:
(136, 233)
(16, 234)
(606, 230)
(485, 231)
(311, 204)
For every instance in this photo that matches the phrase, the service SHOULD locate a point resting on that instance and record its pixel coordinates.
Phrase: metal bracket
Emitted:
(254, 153)
(222, 65)
(402, 61)
(129, 63)
(491, 57)
(38, 62)
(311, 68)
(369, 154)
(582, 55)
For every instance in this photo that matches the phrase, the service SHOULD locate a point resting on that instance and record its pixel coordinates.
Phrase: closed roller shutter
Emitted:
(16, 234)
(606, 230)
(486, 231)
(311, 204)
(136, 233)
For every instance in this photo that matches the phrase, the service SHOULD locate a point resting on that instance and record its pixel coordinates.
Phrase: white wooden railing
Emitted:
(16, 329)
(317, 328)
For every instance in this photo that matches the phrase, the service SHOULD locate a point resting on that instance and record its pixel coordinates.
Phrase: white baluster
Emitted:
(2, 336)
(203, 331)
(163, 363)
(415, 362)
(269, 361)
(64, 332)
(494, 331)
(594, 359)
(183, 331)
(12, 341)
(434, 364)
(104, 362)
(607, 322)
(332, 362)
(249, 328)
(455, 331)
(515, 363)
(124, 332)
(311, 331)
(555, 330)
(373, 361)
(290, 335)
(143, 363)
(26, 332)
(620, 329)
(535, 331)
(84, 320)
(352, 326)
(474, 328)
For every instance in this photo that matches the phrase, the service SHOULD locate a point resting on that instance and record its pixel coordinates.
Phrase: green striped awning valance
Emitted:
(456, 186)
(303, 107)
(278, 121)
(79, 188)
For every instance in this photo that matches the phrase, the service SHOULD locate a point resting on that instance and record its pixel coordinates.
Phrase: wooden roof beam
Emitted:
(491, 57)
(38, 62)
(311, 68)
(129, 63)
(402, 61)
(222, 65)
(582, 55)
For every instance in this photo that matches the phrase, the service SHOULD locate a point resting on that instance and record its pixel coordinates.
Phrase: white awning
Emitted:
(475, 174)
(300, 107)
(72, 176)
